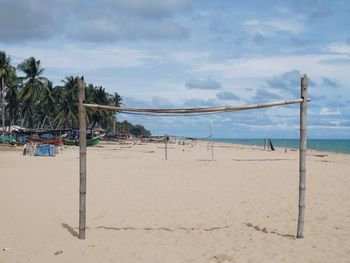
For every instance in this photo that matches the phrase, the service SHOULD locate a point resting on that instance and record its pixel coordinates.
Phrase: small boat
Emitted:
(70, 142)
(93, 141)
(17, 143)
(54, 141)
(7, 139)
(89, 142)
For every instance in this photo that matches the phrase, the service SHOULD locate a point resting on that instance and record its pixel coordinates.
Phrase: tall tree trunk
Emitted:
(3, 104)
(23, 119)
(50, 123)
(114, 125)
(58, 125)
(93, 127)
(10, 126)
(42, 125)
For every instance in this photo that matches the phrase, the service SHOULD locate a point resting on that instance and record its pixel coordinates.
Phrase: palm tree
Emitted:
(116, 99)
(26, 110)
(12, 101)
(34, 87)
(116, 102)
(6, 72)
(67, 99)
(47, 106)
(97, 95)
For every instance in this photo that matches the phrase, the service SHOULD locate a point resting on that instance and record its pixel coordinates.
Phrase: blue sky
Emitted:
(182, 53)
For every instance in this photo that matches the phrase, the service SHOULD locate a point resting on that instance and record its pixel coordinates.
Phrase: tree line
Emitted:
(33, 101)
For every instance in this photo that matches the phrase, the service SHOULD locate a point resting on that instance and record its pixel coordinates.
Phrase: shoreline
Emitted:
(276, 147)
(8, 147)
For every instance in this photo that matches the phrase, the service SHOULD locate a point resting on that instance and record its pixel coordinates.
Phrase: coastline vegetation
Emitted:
(32, 101)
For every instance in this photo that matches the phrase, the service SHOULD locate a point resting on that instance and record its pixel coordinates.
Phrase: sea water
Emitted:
(325, 145)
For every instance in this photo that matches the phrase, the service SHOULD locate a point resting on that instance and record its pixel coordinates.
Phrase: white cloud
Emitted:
(267, 27)
(95, 21)
(327, 111)
(35, 19)
(189, 56)
(261, 67)
(155, 102)
(226, 95)
(108, 30)
(208, 84)
(339, 48)
(149, 7)
(80, 58)
(283, 9)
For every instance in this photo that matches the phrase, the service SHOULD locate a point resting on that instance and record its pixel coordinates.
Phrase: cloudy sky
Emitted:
(182, 53)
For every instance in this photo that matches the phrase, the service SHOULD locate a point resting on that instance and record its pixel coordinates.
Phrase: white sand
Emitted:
(141, 208)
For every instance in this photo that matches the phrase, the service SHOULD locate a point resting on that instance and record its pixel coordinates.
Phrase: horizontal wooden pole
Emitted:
(195, 110)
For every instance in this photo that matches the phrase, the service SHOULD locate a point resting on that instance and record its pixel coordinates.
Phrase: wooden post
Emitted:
(82, 158)
(264, 144)
(302, 155)
(114, 125)
(211, 142)
(166, 147)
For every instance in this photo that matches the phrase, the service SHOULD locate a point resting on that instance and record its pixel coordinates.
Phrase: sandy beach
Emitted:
(242, 207)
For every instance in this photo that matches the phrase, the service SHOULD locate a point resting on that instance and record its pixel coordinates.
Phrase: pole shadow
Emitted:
(265, 231)
(70, 230)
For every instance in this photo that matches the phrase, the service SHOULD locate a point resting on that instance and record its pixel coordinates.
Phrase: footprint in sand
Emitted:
(223, 258)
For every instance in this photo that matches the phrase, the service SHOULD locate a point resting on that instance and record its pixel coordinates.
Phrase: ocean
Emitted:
(325, 145)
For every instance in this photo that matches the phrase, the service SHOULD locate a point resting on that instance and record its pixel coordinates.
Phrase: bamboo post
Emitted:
(302, 155)
(166, 147)
(264, 144)
(114, 125)
(211, 142)
(82, 158)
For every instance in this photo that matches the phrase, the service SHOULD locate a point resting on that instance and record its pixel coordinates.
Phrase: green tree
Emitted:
(66, 97)
(136, 130)
(6, 74)
(98, 95)
(32, 101)
(7, 71)
(47, 107)
(34, 85)
(12, 101)
(34, 89)
(115, 100)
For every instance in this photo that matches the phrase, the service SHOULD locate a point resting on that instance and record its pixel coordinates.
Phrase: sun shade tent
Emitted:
(45, 150)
